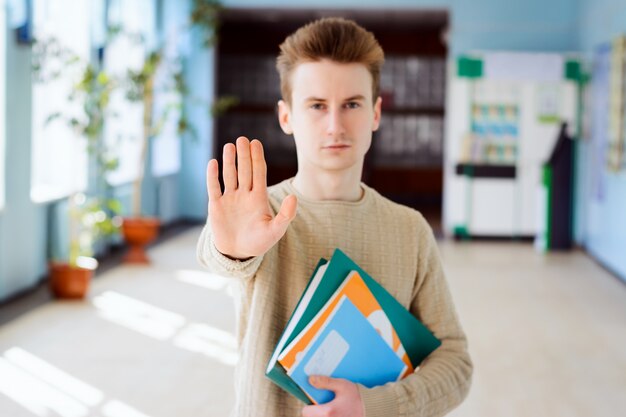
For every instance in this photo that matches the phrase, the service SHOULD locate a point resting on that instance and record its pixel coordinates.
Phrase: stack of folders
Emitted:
(347, 326)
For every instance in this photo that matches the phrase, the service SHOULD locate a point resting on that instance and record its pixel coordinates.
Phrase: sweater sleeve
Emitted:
(443, 378)
(212, 259)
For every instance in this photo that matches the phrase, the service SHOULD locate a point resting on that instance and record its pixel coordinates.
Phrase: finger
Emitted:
(259, 167)
(244, 164)
(229, 172)
(327, 383)
(212, 180)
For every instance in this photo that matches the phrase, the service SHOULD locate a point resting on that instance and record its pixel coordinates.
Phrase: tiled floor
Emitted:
(547, 335)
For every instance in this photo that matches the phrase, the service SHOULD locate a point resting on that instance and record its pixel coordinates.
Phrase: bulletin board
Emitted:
(616, 105)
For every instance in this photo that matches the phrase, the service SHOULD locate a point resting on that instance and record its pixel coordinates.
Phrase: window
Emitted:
(3, 72)
(124, 130)
(59, 157)
(166, 148)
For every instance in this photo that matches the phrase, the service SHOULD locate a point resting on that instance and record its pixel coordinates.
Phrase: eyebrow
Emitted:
(352, 98)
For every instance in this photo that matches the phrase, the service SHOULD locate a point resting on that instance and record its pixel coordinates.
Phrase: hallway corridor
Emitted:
(547, 335)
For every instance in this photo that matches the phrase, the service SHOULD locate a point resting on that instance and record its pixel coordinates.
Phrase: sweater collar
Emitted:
(367, 191)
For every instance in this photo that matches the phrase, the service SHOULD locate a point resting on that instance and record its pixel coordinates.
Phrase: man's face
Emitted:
(331, 116)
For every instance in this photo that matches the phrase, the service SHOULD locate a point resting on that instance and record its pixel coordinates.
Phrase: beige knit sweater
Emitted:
(395, 245)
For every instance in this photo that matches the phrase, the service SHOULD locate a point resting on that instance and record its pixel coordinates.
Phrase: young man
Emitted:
(329, 73)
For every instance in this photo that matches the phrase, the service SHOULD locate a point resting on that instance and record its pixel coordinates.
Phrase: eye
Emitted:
(317, 106)
(353, 105)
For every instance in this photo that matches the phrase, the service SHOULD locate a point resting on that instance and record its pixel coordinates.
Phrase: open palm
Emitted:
(241, 219)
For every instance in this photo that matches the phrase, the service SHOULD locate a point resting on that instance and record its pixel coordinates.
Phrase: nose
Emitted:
(335, 127)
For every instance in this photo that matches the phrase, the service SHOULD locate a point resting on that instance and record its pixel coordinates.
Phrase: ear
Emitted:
(284, 117)
(377, 113)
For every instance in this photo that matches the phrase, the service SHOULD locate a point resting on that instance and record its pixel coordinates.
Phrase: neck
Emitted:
(341, 186)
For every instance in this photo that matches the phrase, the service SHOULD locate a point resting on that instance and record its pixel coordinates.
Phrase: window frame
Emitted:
(3, 126)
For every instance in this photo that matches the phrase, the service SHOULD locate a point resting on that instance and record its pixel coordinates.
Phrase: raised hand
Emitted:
(242, 221)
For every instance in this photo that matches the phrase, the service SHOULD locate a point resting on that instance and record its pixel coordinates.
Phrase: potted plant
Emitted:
(89, 219)
(140, 230)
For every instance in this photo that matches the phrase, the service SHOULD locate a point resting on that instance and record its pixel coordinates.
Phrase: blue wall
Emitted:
(600, 223)
(514, 25)
(22, 223)
(475, 24)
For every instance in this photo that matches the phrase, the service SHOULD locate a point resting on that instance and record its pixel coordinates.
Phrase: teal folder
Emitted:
(275, 370)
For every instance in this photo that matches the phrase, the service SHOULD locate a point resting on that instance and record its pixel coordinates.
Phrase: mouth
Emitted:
(336, 147)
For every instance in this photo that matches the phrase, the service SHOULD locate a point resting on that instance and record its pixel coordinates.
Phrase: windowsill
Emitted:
(41, 195)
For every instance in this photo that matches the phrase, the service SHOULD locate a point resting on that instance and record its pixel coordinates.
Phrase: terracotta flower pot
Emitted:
(68, 281)
(138, 232)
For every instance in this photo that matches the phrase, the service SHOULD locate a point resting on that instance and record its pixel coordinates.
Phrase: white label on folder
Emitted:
(328, 356)
(381, 323)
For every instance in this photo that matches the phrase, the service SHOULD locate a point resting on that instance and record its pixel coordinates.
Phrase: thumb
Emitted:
(327, 383)
(287, 211)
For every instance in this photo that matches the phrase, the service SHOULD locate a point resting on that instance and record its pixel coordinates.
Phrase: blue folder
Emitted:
(347, 347)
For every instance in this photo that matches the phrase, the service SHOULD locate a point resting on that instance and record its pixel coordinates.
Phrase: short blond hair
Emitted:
(331, 38)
